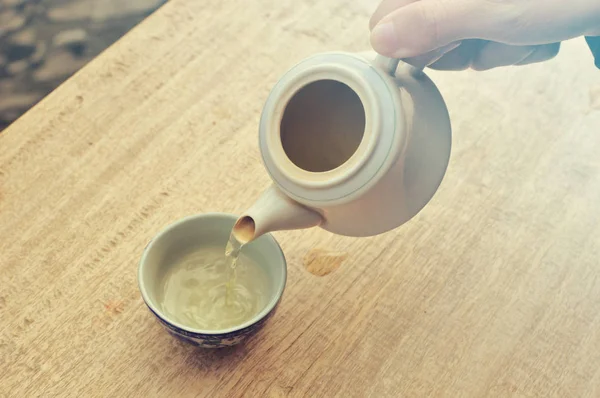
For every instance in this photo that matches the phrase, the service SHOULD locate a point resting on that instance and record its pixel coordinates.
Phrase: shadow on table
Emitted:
(216, 357)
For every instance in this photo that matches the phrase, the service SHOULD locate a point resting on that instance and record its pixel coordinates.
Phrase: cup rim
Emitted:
(276, 297)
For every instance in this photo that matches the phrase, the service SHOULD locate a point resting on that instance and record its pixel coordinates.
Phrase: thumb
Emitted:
(423, 26)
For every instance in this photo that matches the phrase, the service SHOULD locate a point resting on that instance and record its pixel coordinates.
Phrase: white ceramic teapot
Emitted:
(354, 143)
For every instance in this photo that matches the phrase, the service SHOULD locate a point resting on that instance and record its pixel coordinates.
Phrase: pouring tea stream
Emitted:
(357, 144)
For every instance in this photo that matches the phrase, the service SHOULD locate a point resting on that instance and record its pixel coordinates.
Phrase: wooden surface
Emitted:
(492, 290)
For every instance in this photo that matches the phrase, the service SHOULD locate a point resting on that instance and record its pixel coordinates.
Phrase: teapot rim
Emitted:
(383, 139)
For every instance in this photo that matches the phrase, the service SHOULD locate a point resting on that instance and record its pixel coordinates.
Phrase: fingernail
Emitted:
(384, 39)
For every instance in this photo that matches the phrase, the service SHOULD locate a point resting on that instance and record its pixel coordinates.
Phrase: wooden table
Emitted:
(492, 290)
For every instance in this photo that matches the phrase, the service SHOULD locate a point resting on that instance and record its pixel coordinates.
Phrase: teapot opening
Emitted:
(322, 126)
(244, 229)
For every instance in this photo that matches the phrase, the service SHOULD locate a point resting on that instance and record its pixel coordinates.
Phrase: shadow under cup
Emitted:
(195, 232)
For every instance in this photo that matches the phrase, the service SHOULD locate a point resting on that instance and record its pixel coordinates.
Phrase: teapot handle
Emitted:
(392, 66)
(387, 64)
(415, 65)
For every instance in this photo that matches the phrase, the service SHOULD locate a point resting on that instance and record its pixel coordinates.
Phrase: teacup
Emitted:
(193, 233)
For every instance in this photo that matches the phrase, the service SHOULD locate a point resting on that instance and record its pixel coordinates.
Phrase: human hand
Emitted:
(481, 34)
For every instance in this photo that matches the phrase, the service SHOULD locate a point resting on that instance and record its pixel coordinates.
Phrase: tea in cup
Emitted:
(184, 280)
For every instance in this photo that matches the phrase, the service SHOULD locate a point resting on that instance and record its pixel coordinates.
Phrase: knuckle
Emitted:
(480, 67)
(552, 50)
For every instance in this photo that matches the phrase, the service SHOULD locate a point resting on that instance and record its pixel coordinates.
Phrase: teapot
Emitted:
(355, 143)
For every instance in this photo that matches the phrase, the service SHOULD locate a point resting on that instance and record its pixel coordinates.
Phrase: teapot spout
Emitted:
(273, 211)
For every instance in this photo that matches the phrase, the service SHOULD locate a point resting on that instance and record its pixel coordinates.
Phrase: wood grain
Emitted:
(493, 290)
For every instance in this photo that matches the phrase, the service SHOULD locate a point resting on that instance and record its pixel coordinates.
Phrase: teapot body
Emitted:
(363, 144)
(356, 144)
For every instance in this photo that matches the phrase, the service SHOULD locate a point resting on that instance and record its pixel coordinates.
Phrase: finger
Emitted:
(386, 7)
(426, 25)
(483, 55)
(460, 58)
(422, 61)
(493, 55)
(541, 54)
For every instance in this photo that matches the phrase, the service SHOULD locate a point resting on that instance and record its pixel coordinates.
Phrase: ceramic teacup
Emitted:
(193, 233)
